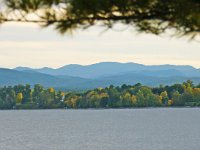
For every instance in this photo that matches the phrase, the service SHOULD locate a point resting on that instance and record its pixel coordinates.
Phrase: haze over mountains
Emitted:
(110, 68)
(103, 74)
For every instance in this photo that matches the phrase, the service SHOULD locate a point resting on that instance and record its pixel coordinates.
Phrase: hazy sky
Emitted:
(29, 45)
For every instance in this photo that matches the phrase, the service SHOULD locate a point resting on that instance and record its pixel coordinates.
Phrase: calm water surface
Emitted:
(122, 129)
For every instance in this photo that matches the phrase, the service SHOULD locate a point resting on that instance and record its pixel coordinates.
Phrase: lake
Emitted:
(109, 129)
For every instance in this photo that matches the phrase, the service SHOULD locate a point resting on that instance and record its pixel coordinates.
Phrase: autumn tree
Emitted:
(128, 100)
(19, 98)
(74, 100)
(164, 97)
(196, 94)
(93, 99)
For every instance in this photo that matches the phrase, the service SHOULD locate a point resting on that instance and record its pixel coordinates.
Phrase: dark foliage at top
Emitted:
(151, 16)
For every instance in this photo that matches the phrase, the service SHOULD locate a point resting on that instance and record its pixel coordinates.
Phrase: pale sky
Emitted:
(29, 45)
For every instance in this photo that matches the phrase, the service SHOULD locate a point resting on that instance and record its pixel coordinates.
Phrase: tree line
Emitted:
(125, 96)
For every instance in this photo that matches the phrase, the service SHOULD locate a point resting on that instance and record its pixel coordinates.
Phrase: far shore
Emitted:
(136, 108)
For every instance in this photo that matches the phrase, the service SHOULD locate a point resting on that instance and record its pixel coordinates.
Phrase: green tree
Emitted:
(9, 97)
(104, 99)
(141, 101)
(1, 103)
(176, 87)
(38, 89)
(177, 99)
(114, 97)
(154, 100)
(187, 96)
(27, 94)
(189, 83)
(45, 99)
(93, 99)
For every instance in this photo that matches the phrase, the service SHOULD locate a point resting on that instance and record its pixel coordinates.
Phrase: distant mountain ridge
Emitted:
(111, 68)
(79, 77)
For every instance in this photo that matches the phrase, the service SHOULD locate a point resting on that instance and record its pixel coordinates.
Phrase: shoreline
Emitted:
(139, 108)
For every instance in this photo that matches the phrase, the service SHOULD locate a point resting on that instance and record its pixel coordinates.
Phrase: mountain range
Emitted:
(79, 77)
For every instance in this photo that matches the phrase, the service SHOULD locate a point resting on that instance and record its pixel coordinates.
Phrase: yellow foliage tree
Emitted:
(51, 90)
(170, 102)
(165, 97)
(104, 95)
(133, 100)
(19, 98)
(71, 103)
(196, 94)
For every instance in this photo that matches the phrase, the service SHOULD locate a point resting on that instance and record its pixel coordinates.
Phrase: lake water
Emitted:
(111, 129)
